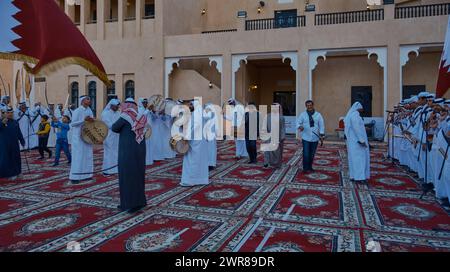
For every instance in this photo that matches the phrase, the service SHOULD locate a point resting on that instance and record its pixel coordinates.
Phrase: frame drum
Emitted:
(179, 145)
(94, 133)
(158, 102)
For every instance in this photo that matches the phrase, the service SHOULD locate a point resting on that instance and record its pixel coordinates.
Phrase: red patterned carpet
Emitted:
(245, 208)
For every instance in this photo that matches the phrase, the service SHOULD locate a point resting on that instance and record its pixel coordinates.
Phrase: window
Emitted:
(74, 93)
(285, 18)
(149, 11)
(93, 12)
(77, 18)
(111, 91)
(113, 14)
(411, 90)
(129, 89)
(130, 12)
(92, 92)
(287, 102)
(363, 95)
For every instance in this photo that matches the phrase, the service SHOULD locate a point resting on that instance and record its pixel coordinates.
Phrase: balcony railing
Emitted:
(273, 23)
(349, 17)
(219, 31)
(422, 11)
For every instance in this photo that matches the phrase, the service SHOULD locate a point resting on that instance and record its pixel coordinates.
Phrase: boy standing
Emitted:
(62, 142)
(43, 134)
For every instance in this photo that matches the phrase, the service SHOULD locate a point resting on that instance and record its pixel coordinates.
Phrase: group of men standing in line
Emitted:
(421, 139)
(127, 151)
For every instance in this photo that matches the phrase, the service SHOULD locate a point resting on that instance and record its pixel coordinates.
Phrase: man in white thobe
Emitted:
(111, 144)
(357, 144)
(237, 119)
(82, 166)
(157, 140)
(165, 129)
(51, 112)
(195, 162)
(24, 116)
(211, 118)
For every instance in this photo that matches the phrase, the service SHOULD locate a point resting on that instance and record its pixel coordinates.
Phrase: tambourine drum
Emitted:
(158, 102)
(94, 133)
(148, 132)
(170, 104)
(179, 145)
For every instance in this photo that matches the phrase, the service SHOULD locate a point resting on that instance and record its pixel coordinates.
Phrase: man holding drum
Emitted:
(82, 166)
(195, 162)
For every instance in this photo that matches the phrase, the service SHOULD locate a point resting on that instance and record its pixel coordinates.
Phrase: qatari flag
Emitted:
(38, 32)
(443, 83)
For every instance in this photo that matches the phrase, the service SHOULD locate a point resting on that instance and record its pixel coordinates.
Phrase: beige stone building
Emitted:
(331, 51)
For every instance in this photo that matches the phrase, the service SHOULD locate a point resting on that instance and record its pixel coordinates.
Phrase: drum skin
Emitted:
(179, 145)
(158, 102)
(94, 133)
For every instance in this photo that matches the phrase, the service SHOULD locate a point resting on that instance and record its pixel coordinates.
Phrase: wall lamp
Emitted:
(203, 12)
(261, 5)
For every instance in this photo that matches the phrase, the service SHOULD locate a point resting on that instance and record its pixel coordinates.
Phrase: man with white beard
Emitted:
(195, 162)
(110, 115)
(357, 144)
(25, 117)
(82, 166)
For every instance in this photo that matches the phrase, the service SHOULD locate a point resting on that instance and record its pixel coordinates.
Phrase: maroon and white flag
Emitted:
(443, 83)
(38, 32)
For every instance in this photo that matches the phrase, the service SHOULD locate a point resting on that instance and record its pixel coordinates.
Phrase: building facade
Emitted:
(332, 51)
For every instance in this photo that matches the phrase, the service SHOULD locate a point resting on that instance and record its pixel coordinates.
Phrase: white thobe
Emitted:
(82, 153)
(52, 133)
(156, 141)
(148, 142)
(358, 156)
(166, 127)
(111, 143)
(195, 162)
(26, 127)
(442, 184)
(212, 148)
(69, 113)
